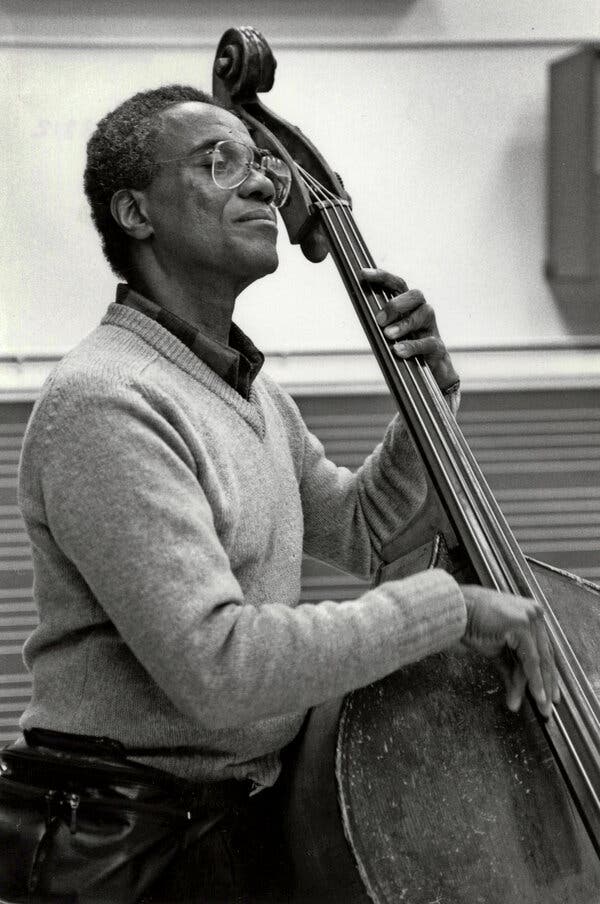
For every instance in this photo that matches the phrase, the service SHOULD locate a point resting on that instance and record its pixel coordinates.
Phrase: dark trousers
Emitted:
(240, 861)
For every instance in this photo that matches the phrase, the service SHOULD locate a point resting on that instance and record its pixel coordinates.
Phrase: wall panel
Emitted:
(458, 209)
(303, 21)
(434, 112)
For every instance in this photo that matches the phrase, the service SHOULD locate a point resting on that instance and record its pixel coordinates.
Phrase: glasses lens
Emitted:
(232, 162)
(279, 173)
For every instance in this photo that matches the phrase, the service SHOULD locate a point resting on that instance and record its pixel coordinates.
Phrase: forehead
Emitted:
(192, 123)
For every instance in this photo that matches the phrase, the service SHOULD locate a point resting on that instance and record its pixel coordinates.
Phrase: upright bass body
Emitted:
(424, 789)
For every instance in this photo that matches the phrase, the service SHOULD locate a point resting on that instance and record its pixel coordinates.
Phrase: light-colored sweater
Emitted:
(167, 517)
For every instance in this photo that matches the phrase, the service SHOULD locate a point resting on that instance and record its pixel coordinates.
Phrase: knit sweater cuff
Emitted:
(438, 621)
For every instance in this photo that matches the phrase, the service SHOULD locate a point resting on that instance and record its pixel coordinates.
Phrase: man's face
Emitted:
(197, 226)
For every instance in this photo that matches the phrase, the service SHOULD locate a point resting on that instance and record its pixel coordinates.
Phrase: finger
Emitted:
(547, 662)
(402, 305)
(527, 652)
(420, 320)
(430, 347)
(516, 682)
(381, 279)
(545, 653)
(514, 677)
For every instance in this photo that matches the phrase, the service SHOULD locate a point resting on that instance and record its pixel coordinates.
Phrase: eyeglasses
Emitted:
(232, 162)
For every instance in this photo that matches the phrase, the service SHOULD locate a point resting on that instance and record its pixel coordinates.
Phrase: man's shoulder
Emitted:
(97, 370)
(104, 358)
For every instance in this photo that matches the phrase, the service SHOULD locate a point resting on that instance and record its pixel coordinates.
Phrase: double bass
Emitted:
(422, 788)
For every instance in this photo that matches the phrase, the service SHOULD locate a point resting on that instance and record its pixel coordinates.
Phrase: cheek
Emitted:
(186, 216)
(199, 208)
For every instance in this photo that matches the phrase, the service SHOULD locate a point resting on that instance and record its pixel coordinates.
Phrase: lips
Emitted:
(262, 213)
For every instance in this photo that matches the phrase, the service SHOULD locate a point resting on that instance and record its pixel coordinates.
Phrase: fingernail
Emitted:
(381, 317)
(392, 331)
(400, 348)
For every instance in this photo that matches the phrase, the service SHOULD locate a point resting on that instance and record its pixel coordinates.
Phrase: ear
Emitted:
(128, 208)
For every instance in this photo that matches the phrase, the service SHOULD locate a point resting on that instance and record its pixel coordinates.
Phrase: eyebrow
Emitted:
(203, 145)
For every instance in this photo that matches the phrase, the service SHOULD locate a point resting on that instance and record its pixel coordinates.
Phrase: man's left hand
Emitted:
(408, 321)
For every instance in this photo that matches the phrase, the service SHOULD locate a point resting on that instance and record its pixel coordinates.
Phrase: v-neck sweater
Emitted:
(167, 517)
(238, 362)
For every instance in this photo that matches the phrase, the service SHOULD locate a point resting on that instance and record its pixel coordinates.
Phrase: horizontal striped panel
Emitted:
(10, 621)
(336, 586)
(15, 691)
(18, 614)
(539, 451)
(16, 594)
(539, 407)
(7, 677)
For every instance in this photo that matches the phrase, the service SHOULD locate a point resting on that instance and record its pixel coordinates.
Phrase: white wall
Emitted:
(434, 111)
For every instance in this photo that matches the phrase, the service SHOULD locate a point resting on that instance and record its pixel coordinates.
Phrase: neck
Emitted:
(206, 303)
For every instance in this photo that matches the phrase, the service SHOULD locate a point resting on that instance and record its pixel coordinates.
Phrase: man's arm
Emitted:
(125, 507)
(370, 522)
(351, 517)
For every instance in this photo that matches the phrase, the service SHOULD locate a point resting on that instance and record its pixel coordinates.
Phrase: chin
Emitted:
(252, 261)
(263, 262)
(273, 262)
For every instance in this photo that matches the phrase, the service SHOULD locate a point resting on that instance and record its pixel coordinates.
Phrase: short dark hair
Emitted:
(120, 154)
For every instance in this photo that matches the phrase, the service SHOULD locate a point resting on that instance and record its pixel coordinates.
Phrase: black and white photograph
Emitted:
(300, 452)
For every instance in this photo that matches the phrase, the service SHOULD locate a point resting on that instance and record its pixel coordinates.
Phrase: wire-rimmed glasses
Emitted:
(233, 161)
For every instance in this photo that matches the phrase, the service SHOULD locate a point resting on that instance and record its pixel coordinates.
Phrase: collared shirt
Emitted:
(237, 363)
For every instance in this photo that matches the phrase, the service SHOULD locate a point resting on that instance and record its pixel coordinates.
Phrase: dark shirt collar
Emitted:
(237, 363)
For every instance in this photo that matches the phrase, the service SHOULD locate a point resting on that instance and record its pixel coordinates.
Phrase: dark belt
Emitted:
(42, 757)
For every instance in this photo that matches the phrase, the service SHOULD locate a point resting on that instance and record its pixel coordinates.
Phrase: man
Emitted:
(169, 489)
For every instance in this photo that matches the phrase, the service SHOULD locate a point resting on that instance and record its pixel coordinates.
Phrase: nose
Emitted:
(257, 185)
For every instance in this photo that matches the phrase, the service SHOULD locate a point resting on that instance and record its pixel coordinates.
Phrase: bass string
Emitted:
(402, 369)
(583, 688)
(434, 392)
(579, 677)
(431, 393)
(503, 531)
(477, 478)
(576, 677)
(437, 398)
(586, 740)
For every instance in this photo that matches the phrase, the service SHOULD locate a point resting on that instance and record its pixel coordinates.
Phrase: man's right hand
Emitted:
(496, 620)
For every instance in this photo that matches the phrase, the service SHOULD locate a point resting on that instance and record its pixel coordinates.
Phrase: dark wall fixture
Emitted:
(573, 262)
